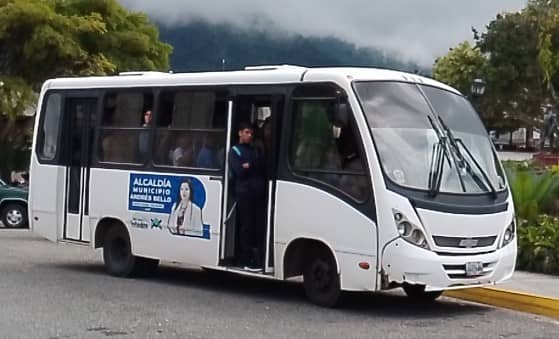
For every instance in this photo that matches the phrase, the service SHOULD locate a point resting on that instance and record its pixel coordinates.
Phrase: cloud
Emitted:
(416, 30)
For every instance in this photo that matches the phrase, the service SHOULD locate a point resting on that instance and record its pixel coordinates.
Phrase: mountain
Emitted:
(200, 46)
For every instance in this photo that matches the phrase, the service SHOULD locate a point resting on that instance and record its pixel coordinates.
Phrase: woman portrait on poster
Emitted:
(186, 216)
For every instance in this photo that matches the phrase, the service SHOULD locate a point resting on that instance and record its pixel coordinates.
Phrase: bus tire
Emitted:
(417, 293)
(117, 253)
(321, 279)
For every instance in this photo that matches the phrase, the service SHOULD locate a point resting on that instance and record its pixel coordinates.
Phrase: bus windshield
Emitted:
(425, 134)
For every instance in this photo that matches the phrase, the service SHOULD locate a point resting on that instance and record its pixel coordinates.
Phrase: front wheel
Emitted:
(321, 279)
(418, 293)
(14, 216)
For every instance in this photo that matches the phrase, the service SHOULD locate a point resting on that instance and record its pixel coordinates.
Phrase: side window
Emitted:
(324, 145)
(48, 147)
(190, 129)
(125, 129)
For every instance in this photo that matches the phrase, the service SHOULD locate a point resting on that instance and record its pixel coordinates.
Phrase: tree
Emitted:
(462, 64)
(522, 63)
(41, 39)
(513, 75)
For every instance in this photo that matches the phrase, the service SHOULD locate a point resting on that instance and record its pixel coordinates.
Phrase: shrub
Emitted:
(533, 192)
(538, 245)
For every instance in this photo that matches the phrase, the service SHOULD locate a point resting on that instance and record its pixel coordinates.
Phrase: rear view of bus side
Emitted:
(375, 179)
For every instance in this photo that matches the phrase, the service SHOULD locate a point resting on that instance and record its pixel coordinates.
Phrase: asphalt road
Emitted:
(61, 291)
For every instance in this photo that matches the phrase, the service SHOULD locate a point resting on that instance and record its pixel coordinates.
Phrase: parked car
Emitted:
(13, 206)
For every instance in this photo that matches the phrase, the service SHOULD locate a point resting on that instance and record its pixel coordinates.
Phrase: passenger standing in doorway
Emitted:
(248, 168)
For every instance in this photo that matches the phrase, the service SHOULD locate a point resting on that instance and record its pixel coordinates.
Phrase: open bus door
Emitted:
(263, 110)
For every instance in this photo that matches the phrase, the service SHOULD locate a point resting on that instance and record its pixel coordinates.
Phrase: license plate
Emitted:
(474, 268)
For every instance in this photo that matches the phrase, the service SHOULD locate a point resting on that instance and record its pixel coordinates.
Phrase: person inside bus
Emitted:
(186, 216)
(248, 167)
(263, 141)
(207, 157)
(183, 154)
(143, 141)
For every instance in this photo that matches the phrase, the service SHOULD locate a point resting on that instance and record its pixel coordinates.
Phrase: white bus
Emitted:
(376, 179)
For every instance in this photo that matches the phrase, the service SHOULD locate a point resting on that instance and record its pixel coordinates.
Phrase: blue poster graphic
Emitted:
(182, 198)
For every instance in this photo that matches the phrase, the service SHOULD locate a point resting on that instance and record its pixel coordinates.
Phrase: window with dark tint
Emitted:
(191, 129)
(48, 147)
(324, 145)
(124, 135)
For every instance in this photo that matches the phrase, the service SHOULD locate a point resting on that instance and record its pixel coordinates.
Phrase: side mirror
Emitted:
(341, 115)
(336, 131)
(341, 118)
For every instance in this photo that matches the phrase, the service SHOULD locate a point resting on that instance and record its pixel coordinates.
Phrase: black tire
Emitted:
(417, 293)
(14, 215)
(117, 253)
(321, 279)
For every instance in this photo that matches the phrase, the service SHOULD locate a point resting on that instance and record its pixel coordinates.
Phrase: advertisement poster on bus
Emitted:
(180, 198)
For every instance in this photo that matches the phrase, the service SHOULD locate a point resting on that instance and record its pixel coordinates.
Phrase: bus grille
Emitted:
(461, 242)
(459, 271)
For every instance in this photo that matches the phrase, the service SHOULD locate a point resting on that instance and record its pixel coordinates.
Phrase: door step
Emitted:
(242, 271)
(75, 242)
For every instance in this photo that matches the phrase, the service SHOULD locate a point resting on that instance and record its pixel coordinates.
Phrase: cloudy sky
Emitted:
(416, 30)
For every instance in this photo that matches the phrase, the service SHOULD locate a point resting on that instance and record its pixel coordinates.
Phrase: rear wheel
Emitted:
(321, 279)
(14, 215)
(418, 293)
(117, 253)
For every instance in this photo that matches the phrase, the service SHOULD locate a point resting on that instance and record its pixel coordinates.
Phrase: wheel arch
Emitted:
(298, 250)
(103, 227)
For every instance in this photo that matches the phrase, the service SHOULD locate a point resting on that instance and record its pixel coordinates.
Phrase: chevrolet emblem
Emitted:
(468, 243)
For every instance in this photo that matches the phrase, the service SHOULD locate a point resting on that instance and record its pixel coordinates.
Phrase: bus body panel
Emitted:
(292, 75)
(149, 232)
(403, 262)
(487, 226)
(46, 201)
(306, 212)
(45, 196)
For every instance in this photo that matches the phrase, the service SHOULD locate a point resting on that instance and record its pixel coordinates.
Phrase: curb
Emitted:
(518, 301)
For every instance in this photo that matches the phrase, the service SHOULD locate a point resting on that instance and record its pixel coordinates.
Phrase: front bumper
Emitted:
(403, 262)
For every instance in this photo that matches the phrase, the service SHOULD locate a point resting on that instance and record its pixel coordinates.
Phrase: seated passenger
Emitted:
(207, 157)
(183, 154)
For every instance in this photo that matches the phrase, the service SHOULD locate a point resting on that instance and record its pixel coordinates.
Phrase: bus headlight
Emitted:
(510, 233)
(409, 232)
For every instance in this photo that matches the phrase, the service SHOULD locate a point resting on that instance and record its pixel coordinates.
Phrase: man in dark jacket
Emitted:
(247, 169)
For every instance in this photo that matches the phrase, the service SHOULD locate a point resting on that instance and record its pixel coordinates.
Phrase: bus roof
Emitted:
(254, 75)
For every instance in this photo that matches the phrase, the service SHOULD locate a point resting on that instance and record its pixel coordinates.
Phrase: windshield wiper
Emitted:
(440, 151)
(436, 168)
(455, 144)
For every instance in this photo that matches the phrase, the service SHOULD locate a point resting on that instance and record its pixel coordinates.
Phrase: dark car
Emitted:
(13, 206)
